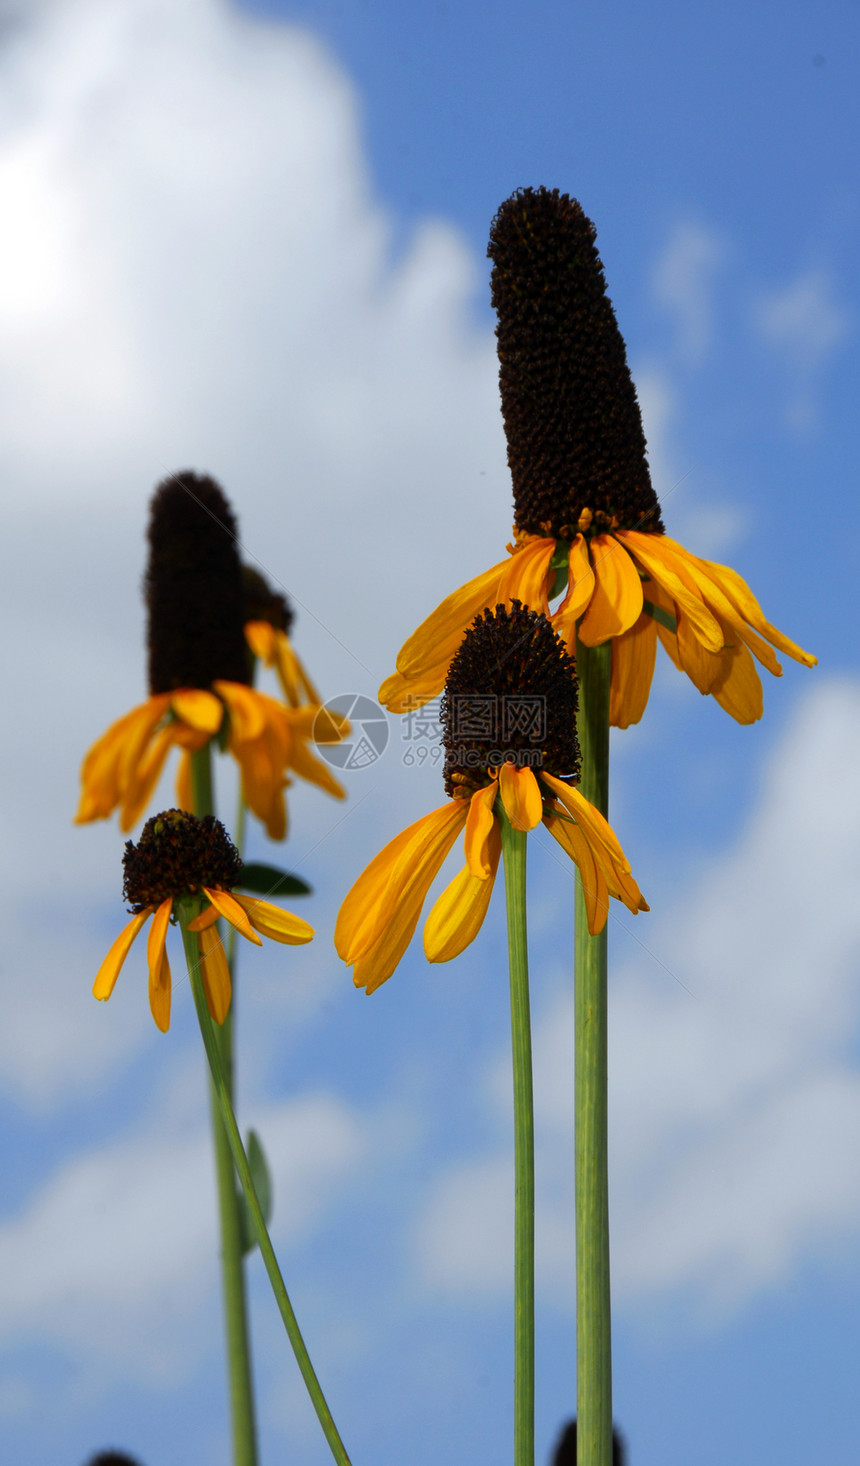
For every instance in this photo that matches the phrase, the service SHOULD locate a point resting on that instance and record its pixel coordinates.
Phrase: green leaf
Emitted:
(268, 880)
(262, 1180)
(664, 617)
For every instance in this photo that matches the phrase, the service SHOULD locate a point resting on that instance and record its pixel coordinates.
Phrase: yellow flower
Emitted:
(180, 859)
(587, 519)
(273, 648)
(265, 737)
(621, 584)
(504, 657)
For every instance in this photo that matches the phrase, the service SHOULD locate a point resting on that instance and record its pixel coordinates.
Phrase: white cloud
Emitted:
(682, 283)
(194, 272)
(116, 1254)
(732, 1110)
(804, 323)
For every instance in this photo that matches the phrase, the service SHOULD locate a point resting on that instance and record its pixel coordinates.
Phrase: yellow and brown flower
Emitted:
(509, 720)
(587, 526)
(188, 866)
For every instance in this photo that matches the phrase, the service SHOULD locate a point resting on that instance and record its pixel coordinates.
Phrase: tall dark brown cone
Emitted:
(193, 587)
(572, 418)
(511, 695)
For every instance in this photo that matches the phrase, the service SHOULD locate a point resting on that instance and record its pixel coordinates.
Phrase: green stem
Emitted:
(243, 1170)
(514, 856)
(240, 1380)
(593, 1325)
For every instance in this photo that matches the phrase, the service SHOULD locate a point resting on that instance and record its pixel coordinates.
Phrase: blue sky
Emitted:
(252, 240)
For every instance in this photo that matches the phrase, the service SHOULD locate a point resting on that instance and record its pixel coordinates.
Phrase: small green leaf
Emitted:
(268, 880)
(664, 617)
(262, 1180)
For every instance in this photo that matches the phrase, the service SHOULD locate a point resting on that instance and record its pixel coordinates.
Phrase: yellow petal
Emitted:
(456, 917)
(159, 967)
(742, 598)
(215, 972)
(260, 636)
(228, 906)
(208, 917)
(311, 768)
(142, 781)
(701, 666)
(184, 795)
(616, 604)
(633, 658)
(671, 573)
(439, 636)
(480, 825)
(401, 694)
(408, 864)
(595, 894)
(526, 575)
(738, 688)
(598, 829)
(580, 588)
(292, 676)
(109, 971)
(249, 710)
(274, 922)
(201, 710)
(146, 719)
(722, 608)
(521, 796)
(100, 791)
(328, 727)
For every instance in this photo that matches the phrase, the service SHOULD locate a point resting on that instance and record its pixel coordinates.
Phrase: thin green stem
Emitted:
(239, 1374)
(514, 856)
(243, 1170)
(593, 1323)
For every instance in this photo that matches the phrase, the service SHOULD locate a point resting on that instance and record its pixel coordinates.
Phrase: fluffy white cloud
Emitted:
(194, 272)
(805, 323)
(682, 283)
(733, 1105)
(115, 1254)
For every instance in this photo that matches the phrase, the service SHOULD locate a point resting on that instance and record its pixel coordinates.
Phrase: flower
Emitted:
(509, 720)
(199, 677)
(191, 864)
(587, 519)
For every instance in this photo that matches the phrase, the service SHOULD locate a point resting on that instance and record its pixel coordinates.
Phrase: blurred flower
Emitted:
(199, 676)
(182, 859)
(588, 522)
(509, 720)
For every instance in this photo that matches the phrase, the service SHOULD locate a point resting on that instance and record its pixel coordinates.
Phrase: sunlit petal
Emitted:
(229, 907)
(521, 796)
(198, 708)
(456, 918)
(616, 603)
(480, 825)
(633, 658)
(439, 636)
(110, 969)
(215, 972)
(274, 922)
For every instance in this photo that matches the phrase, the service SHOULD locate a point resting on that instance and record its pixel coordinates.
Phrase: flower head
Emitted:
(509, 721)
(199, 675)
(587, 520)
(189, 865)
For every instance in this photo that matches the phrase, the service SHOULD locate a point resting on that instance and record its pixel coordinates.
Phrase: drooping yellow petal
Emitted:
(227, 906)
(146, 719)
(745, 603)
(215, 972)
(633, 658)
(260, 636)
(598, 829)
(521, 796)
(201, 710)
(249, 710)
(159, 967)
(738, 688)
(703, 667)
(651, 551)
(143, 779)
(722, 607)
(574, 842)
(401, 694)
(408, 864)
(100, 790)
(457, 916)
(184, 795)
(526, 575)
(208, 917)
(110, 969)
(616, 603)
(439, 636)
(311, 768)
(480, 825)
(580, 588)
(292, 676)
(274, 922)
(328, 727)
